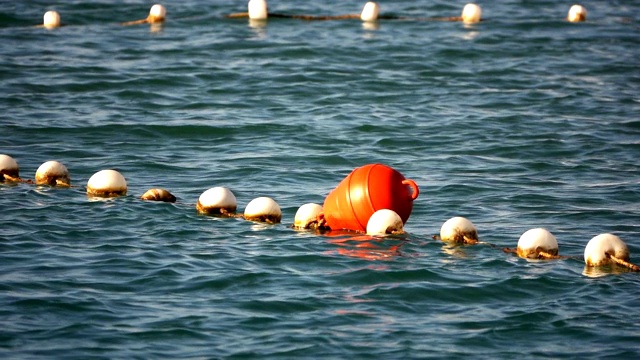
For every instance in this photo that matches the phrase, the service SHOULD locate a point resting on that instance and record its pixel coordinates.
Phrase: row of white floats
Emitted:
(258, 10)
(537, 243)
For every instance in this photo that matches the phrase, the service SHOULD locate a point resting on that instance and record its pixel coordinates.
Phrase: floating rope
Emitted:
(17, 179)
(135, 22)
(313, 17)
(623, 262)
(237, 15)
(470, 241)
(546, 255)
(539, 253)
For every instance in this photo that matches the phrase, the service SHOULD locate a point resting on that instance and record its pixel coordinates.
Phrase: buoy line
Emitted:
(471, 14)
(157, 15)
(347, 209)
(258, 10)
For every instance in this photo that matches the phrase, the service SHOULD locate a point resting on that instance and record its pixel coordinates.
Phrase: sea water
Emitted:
(521, 121)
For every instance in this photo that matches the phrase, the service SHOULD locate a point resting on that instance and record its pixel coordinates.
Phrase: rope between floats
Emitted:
(623, 263)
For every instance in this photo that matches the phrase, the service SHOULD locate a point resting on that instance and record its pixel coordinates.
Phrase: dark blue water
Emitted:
(521, 121)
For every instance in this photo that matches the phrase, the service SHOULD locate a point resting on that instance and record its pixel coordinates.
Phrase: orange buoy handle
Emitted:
(414, 188)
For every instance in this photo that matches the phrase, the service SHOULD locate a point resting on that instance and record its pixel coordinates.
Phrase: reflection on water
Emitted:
(369, 247)
(156, 28)
(471, 34)
(455, 250)
(258, 27)
(368, 25)
(600, 271)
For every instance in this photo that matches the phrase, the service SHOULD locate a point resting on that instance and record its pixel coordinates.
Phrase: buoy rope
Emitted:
(135, 22)
(623, 262)
(546, 255)
(470, 241)
(58, 182)
(314, 17)
(62, 183)
(320, 225)
(237, 15)
(17, 179)
(450, 18)
(486, 243)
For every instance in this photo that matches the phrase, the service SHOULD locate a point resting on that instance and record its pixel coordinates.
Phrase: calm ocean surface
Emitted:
(521, 121)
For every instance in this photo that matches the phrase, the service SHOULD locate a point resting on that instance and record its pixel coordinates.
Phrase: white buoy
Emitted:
(370, 12)
(307, 216)
(459, 230)
(9, 170)
(534, 241)
(53, 173)
(218, 200)
(384, 222)
(577, 13)
(51, 19)
(263, 209)
(158, 194)
(471, 13)
(157, 14)
(107, 183)
(596, 251)
(258, 10)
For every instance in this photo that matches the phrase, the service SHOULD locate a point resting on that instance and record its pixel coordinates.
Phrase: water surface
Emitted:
(521, 121)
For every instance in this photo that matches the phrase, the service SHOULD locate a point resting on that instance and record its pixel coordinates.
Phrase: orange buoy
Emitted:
(366, 190)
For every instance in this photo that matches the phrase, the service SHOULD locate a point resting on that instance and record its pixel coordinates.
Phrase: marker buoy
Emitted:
(51, 19)
(107, 183)
(606, 249)
(53, 173)
(385, 222)
(368, 189)
(9, 170)
(258, 10)
(218, 200)
(263, 209)
(158, 194)
(370, 12)
(536, 244)
(307, 216)
(459, 230)
(471, 13)
(577, 13)
(157, 15)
